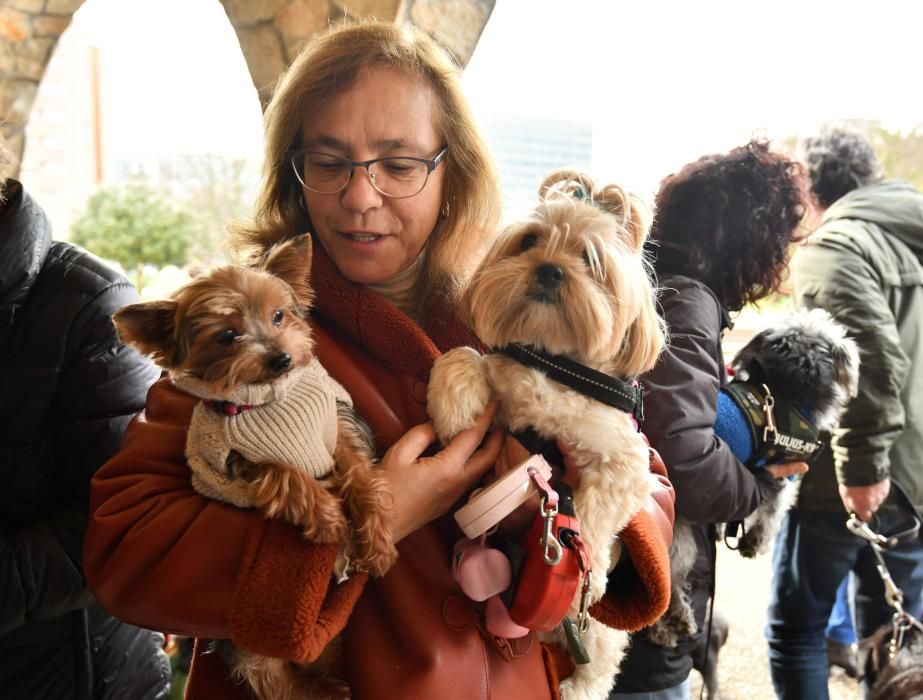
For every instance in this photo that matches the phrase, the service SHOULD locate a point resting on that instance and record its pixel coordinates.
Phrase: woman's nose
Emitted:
(359, 194)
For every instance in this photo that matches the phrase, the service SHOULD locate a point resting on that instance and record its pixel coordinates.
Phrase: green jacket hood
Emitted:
(894, 205)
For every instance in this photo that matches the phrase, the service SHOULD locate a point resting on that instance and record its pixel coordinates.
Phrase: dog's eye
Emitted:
(226, 337)
(277, 317)
(586, 258)
(528, 241)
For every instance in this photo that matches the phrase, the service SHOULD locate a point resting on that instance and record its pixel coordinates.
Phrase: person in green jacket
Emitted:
(863, 265)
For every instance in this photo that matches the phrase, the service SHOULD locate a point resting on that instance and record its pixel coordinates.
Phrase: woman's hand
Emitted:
(426, 487)
(780, 471)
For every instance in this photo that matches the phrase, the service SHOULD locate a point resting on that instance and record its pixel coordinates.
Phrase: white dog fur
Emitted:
(603, 316)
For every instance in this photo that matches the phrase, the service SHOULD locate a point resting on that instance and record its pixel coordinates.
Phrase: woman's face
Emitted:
(371, 237)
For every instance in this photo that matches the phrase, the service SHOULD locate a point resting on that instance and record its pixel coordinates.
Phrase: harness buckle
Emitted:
(769, 432)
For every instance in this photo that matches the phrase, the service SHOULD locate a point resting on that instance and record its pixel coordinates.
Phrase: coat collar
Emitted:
(388, 334)
(25, 238)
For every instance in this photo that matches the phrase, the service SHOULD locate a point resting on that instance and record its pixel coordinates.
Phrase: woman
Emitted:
(394, 239)
(722, 229)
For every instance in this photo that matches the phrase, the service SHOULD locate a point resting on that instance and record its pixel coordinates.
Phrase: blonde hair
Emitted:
(328, 66)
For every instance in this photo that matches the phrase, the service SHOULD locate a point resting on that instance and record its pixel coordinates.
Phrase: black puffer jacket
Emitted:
(712, 486)
(67, 391)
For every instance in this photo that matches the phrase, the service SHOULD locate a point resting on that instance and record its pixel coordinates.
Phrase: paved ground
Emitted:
(743, 667)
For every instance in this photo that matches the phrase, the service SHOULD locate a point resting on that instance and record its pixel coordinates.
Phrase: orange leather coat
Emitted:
(160, 555)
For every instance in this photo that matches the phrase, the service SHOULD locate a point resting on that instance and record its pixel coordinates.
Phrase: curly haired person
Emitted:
(722, 228)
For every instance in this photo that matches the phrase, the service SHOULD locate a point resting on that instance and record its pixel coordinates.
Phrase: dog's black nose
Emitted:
(550, 276)
(279, 363)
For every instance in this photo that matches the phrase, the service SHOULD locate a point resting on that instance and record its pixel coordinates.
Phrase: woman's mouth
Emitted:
(362, 236)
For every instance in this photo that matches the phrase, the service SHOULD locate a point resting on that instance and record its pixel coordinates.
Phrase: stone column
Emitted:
(29, 31)
(272, 32)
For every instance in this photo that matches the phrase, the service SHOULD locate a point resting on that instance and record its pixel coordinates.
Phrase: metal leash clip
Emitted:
(550, 545)
(583, 561)
(903, 623)
(860, 528)
(769, 432)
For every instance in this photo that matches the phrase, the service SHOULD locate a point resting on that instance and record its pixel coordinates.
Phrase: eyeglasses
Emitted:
(396, 177)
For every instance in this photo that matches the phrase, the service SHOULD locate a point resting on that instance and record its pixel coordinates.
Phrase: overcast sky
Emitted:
(662, 82)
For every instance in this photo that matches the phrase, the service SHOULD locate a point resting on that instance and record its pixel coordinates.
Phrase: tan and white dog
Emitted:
(568, 281)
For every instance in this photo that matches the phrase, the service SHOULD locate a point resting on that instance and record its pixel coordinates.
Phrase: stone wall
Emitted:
(29, 31)
(271, 32)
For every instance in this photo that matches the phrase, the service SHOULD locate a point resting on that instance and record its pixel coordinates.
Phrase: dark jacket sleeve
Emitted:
(100, 386)
(680, 405)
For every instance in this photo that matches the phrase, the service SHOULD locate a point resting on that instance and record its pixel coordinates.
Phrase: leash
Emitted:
(902, 621)
(711, 605)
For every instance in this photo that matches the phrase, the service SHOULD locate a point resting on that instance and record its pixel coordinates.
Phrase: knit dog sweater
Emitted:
(292, 421)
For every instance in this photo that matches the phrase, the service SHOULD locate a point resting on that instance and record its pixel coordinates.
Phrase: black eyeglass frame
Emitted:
(430, 163)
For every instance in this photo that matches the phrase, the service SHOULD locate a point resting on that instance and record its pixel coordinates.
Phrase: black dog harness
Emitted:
(779, 432)
(625, 396)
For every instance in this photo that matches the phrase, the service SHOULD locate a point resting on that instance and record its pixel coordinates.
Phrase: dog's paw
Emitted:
(751, 544)
(458, 392)
(661, 635)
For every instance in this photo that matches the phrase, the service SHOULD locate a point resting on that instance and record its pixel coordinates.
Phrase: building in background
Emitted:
(527, 148)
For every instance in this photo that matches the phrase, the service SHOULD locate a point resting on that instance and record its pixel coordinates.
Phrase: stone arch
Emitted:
(270, 33)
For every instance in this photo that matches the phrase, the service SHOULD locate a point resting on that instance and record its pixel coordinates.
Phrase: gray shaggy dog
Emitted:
(806, 362)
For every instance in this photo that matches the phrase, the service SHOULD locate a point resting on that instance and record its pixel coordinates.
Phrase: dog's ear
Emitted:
(291, 262)
(149, 328)
(643, 342)
(567, 181)
(629, 210)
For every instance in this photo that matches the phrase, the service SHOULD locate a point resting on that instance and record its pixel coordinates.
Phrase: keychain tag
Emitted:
(578, 652)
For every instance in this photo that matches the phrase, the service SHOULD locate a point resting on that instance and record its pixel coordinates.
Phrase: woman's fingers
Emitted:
(780, 471)
(483, 458)
(469, 455)
(414, 442)
(466, 442)
(426, 487)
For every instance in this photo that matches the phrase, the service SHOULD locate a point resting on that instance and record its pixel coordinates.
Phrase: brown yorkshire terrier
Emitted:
(273, 430)
(566, 289)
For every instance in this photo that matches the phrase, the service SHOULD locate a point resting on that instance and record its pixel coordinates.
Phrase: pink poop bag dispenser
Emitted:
(492, 504)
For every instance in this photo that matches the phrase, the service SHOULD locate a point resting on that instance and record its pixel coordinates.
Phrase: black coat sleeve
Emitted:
(101, 385)
(680, 396)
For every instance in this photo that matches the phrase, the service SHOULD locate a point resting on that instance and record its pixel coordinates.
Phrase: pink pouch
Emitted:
(498, 622)
(481, 571)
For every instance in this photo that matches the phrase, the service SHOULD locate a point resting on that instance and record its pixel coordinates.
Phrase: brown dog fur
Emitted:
(230, 330)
